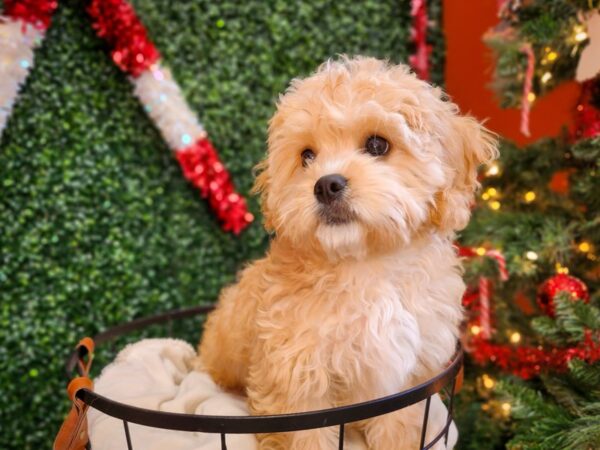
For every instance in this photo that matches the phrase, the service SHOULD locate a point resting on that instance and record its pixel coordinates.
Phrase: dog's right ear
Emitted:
(261, 187)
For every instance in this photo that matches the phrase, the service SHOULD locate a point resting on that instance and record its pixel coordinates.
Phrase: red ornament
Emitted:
(550, 288)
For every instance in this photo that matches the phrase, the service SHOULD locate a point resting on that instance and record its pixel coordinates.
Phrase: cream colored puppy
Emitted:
(369, 173)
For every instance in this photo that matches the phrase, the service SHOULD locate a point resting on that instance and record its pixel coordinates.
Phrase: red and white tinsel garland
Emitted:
(131, 49)
(22, 28)
(529, 361)
(419, 60)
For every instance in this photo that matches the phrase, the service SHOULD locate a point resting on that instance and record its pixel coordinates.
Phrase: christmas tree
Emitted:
(533, 305)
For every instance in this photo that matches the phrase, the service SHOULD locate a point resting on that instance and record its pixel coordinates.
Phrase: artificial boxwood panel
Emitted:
(97, 224)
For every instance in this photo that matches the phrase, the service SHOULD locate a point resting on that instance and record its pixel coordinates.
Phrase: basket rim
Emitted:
(256, 424)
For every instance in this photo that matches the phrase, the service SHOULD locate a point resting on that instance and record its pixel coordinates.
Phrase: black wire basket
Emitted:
(444, 383)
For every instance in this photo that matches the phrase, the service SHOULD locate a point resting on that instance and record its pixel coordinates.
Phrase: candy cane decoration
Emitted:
(485, 314)
(497, 256)
(485, 285)
(527, 86)
(22, 29)
(133, 52)
(484, 292)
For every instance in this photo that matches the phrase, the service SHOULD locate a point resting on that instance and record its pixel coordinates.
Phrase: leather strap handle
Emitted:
(85, 348)
(73, 433)
(460, 377)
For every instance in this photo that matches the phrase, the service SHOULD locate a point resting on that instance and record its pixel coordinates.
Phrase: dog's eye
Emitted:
(377, 146)
(307, 156)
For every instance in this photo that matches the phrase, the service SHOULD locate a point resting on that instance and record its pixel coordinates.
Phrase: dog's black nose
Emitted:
(330, 188)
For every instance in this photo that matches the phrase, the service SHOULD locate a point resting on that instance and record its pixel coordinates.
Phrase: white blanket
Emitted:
(158, 374)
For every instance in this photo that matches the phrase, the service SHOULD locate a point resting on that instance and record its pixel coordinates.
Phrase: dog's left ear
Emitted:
(468, 145)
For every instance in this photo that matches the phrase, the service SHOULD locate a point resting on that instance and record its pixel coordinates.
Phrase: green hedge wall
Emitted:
(97, 224)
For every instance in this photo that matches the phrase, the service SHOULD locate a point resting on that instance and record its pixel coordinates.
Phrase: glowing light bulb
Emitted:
(485, 196)
(492, 192)
(584, 247)
(531, 97)
(494, 169)
(495, 205)
(475, 330)
(480, 251)
(515, 337)
(532, 256)
(488, 382)
(552, 56)
(506, 408)
(546, 77)
(580, 34)
(529, 196)
(561, 269)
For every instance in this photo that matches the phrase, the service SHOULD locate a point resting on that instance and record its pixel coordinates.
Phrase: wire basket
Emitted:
(445, 383)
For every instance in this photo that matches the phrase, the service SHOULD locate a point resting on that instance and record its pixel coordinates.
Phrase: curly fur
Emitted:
(342, 313)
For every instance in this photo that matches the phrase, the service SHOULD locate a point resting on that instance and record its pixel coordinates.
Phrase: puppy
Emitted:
(369, 173)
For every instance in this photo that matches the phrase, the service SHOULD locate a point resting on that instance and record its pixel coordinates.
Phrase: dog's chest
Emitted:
(378, 327)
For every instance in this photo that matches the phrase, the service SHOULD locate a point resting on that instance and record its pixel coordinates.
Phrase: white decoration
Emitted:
(17, 43)
(164, 103)
(589, 62)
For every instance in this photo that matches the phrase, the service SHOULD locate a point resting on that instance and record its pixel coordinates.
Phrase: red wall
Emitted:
(469, 68)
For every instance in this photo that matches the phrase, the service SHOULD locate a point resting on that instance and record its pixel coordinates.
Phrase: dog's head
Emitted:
(363, 156)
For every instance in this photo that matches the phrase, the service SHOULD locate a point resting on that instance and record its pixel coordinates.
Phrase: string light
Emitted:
(475, 330)
(580, 34)
(531, 255)
(485, 196)
(552, 56)
(584, 247)
(493, 170)
(506, 408)
(515, 337)
(561, 269)
(492, 192)
(480, 251)
(546, 77)
(488, 382)
(531, 97)
(495, 205)
(529, 196)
